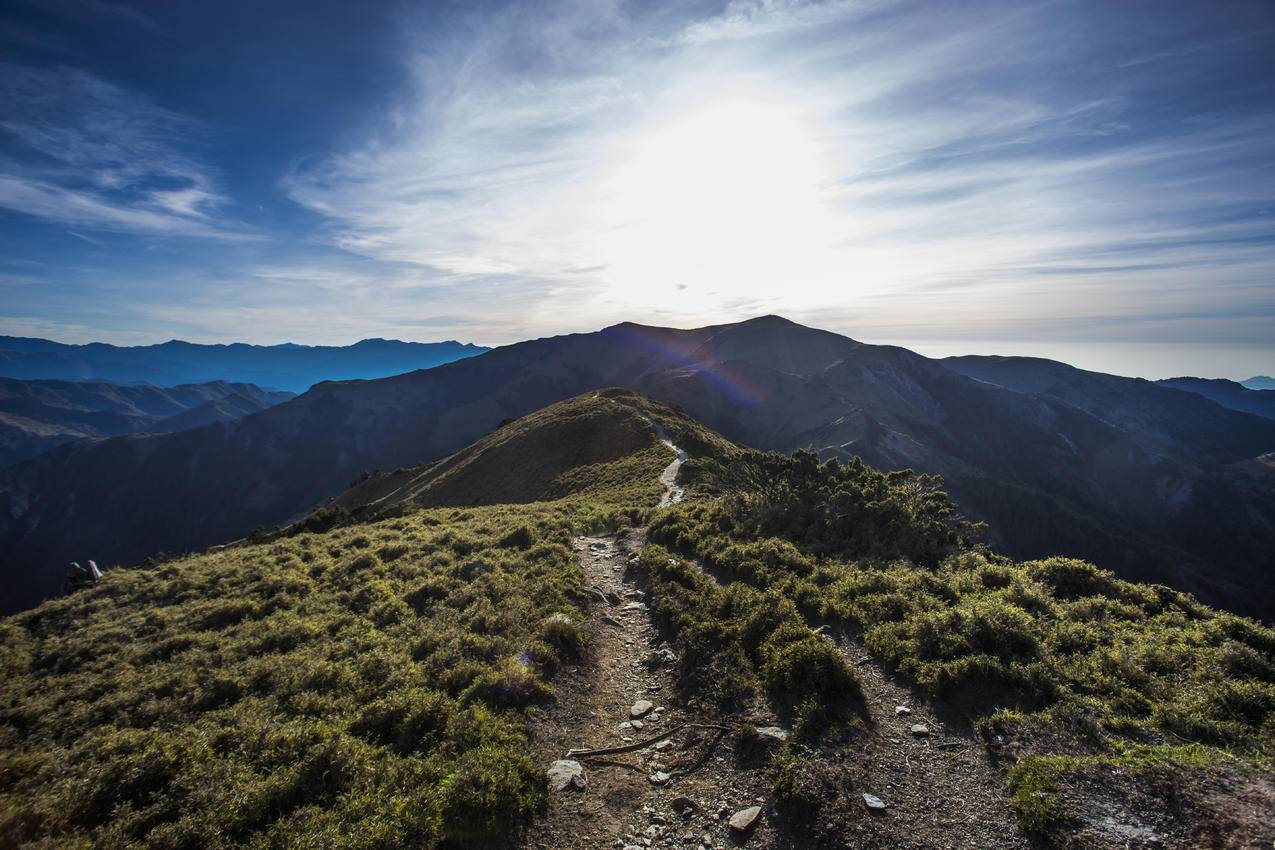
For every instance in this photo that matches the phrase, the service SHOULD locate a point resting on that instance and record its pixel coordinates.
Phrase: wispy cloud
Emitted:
(1008, 163)
(79, 150)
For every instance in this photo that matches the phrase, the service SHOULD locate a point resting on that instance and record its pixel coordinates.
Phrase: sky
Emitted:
(1089, 181)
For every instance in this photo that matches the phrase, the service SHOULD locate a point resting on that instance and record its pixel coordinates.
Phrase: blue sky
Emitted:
(1090, 181)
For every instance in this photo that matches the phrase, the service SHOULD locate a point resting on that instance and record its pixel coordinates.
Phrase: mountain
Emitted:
(1228, 394)
(579, 447)
(289, 366)
(1165, 486)
(1260, 382)
(38, 415)
(516, 647)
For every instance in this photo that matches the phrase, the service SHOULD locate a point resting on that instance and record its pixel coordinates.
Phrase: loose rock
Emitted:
(659, 777)
(641, 708)
(744, 819)
(902, 711)
(565, 774)
(874, 803)
(920, 730)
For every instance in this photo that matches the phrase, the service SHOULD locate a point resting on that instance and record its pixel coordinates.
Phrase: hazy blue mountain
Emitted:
(1228, 394)
(1156, 483)
(1260, 382)
(287, 367)
(37, 415)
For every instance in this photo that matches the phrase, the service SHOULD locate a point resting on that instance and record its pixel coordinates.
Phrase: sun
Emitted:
(729, 201)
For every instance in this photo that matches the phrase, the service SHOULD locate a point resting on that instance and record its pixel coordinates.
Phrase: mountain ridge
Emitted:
(1049, 475)
(462, 653)
(36, 416)
(287, 366)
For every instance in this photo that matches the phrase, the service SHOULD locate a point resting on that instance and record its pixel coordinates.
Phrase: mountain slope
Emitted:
(1230, 394)
(586, 446)
(819, 641)
(290, 367)
(1259, 382)
(37, 415)
(1152, 494)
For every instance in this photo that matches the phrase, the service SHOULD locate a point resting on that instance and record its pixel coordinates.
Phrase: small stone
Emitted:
(565, 775)
(664, 745)
(662, 656)
(610, 621)
(659, 777)
(641, 708)
(683, 806)
(773, 733)
(637, 724)
(902, 711)
(640, 607)
(874, 803)
(920, 730)
(743, 820)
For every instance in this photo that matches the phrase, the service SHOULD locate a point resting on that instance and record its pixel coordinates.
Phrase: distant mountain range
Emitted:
(1260, 382)
(286, 367)
(1151, 481)
(1230, 394)
(36, 416)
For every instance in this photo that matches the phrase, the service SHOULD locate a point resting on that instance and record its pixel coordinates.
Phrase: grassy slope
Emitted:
(368, 686)
(597, 445)
(361, 687)
(1102, 675)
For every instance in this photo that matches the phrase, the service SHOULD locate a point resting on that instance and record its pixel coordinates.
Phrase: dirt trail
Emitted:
(940, 788)
(672, 492)
(620, 806)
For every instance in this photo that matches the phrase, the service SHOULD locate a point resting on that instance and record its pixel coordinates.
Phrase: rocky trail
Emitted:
(631, 768)
(682, 790)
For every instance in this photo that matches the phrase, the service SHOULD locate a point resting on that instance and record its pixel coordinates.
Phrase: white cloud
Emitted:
(895, 171)
(85, 152)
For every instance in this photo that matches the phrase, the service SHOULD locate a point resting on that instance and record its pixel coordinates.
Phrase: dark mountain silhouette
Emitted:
(1153, 482)
(288, 367)
(37, 415)
(1228, 394)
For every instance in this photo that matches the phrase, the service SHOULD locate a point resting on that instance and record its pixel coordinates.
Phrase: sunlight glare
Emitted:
(728, 201)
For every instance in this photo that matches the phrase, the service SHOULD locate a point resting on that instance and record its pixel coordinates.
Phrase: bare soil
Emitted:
(620, 806)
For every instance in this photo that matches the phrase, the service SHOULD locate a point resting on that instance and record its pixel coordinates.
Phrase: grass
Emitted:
(366, 687)
(365, 678)
(1093, 665)
(735, 642)
(362, 679)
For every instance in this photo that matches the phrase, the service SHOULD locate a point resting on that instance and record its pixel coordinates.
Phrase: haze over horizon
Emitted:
(1085, 182)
